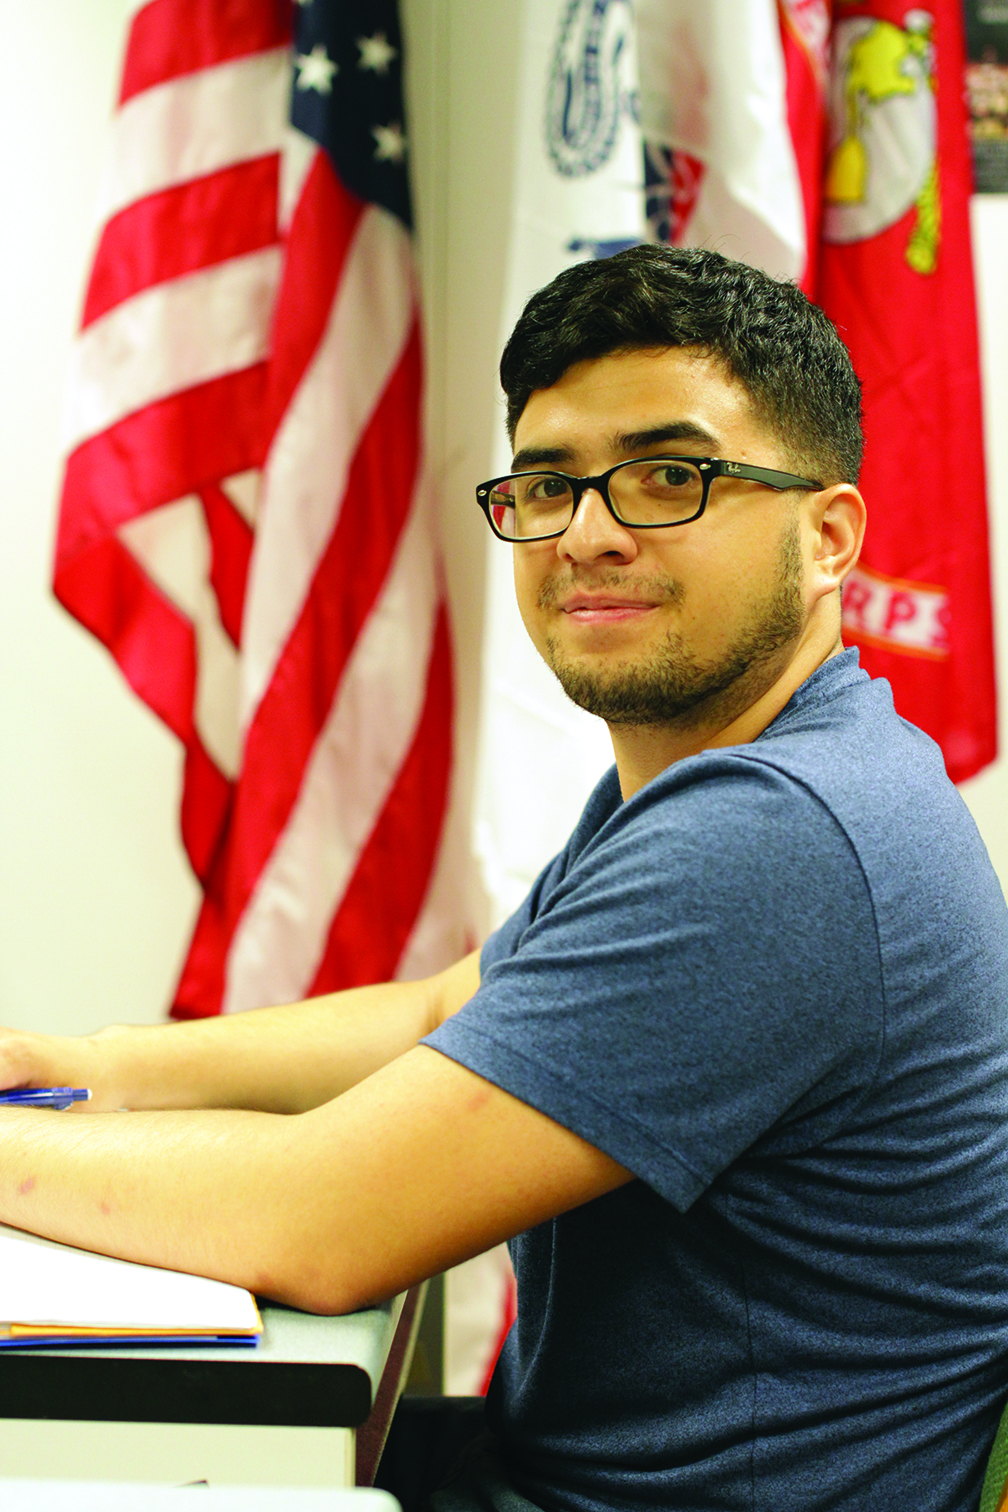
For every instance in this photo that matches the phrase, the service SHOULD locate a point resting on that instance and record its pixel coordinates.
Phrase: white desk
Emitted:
(285, 1412)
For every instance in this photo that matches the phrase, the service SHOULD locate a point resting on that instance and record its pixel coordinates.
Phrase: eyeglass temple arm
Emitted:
(772, 477)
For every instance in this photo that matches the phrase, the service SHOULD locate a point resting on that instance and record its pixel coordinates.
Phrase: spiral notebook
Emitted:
(52, 1294)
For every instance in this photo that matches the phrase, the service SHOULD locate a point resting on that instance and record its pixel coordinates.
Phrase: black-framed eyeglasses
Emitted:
(646, 493)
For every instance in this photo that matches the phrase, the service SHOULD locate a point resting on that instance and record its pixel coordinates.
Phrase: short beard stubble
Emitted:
(673, 686)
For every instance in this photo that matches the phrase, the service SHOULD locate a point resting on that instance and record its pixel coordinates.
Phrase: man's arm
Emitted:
(416, 1167)
(283, 1060)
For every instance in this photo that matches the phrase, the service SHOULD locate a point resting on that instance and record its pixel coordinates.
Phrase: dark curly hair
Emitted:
(782, 348)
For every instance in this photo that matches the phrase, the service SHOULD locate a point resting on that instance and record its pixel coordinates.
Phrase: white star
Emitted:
(390, 143)
(316, 70)
(376, 52)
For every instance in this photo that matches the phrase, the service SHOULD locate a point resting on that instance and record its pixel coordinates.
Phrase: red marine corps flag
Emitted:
(896, 276)
(245, 521)
(854, 179)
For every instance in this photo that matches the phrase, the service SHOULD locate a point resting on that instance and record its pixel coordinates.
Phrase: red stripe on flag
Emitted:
(152, 642)
(230, 552)
(807, 123)
(172, 37)
(200, 990)
(374, 921)
(154, 646)
(509, 1312)
(318, 241)
(160, 454)
(206, 809)
(346, 585)
(183, 229)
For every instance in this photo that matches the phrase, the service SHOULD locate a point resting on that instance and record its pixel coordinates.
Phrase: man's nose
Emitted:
(594, 531)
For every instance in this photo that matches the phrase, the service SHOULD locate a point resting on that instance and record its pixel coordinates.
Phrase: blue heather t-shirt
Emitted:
(774, 985)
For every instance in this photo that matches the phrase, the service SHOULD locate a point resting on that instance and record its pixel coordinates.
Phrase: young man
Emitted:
(735, 1072)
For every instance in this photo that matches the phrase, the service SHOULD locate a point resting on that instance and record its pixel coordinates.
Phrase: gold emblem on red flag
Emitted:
(882, 157)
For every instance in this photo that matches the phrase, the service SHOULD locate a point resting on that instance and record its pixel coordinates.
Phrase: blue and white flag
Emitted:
(579, 177)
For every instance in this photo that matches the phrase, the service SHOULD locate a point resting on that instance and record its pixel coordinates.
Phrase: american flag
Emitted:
(246, 521)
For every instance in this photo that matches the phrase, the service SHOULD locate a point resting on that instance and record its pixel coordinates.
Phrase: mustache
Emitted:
(657, 589)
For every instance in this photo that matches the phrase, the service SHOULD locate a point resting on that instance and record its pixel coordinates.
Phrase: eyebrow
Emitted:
(627, 443)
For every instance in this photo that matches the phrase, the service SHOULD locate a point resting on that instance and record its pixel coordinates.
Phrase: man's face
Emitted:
(685, 624)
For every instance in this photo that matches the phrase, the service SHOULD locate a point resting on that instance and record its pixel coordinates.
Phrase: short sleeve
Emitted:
(697, 981)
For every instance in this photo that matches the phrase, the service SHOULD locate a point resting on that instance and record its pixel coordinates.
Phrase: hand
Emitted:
(45, 1060)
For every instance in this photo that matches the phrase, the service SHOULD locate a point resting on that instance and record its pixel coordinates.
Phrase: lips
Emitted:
(589, 603)
(602, 610)
(607, 598)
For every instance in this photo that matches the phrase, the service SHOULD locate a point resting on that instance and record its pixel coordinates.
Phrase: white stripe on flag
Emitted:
(195, 125)
(243, 491)
(304, 481)
(172, 545)
(282, 934)
(298, 155)
(437, 935)
(170, 338)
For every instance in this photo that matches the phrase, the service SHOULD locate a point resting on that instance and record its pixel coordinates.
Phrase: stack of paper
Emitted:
(52, 1294)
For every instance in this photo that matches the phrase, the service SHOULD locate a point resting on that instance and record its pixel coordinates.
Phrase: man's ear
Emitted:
(838, 520)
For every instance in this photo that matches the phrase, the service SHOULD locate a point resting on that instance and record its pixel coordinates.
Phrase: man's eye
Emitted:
(539, 490)
(670, 475)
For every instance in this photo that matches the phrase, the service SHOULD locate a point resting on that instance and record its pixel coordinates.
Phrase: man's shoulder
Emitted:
(838, 779)
(832, 752)
(881, 778)
(840, 731)
(839, 746)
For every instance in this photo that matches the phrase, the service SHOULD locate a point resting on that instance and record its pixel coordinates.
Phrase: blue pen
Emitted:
(45, 1097)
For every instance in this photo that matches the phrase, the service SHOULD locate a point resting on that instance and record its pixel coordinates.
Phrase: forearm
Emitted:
(198, 1191)
(280, 1060)
(284, 1059)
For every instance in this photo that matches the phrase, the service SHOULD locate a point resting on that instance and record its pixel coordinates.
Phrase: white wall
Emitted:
(987, 793)
(96, 901)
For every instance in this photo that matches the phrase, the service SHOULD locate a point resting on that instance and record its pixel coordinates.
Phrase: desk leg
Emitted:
(372, 1435)
(176, 1453)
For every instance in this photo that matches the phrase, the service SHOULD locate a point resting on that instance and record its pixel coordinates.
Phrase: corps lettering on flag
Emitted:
(896, 615)
(246, 521)
(896, 276)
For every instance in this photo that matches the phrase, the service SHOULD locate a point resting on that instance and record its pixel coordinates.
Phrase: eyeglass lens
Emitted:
(651, 492)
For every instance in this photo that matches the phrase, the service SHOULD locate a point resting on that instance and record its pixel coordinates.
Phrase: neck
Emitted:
(733, 717)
